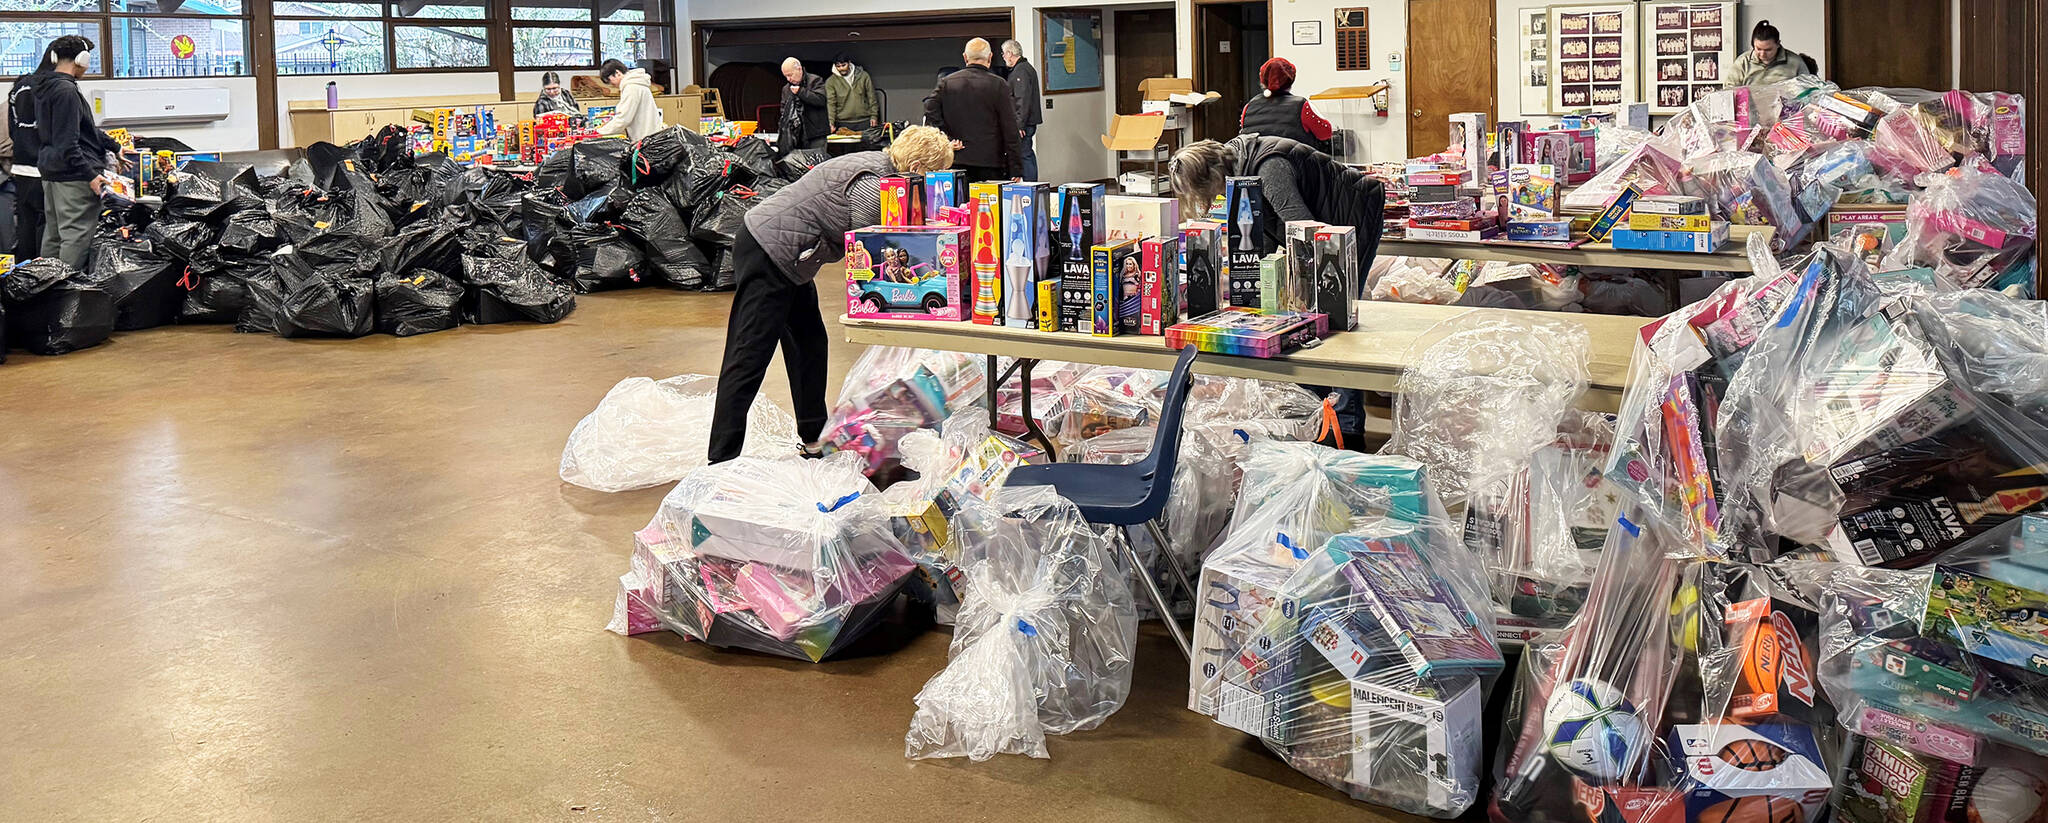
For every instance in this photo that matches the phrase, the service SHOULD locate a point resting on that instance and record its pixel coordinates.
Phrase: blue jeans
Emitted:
(1030, 153)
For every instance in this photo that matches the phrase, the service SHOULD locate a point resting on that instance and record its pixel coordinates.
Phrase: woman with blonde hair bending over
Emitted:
(776, 255)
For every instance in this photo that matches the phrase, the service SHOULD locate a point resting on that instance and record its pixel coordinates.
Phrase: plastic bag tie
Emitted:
(189, 281)
(837, 503)
(1326, 426)
(1025, 628)
(1288, 544)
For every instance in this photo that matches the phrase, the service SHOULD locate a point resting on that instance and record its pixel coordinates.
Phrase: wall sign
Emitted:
(1690, 46)
(1354, 40)
(1308, 32)
(182, 47)
(1592, 56)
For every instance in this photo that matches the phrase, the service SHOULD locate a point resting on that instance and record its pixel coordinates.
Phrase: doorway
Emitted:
(1450, 67)
(1865, 47)
(1143, 44)
(902, 52)
(1234, 39)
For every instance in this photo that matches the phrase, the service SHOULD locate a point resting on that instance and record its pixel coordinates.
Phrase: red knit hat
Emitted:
(1277, 74)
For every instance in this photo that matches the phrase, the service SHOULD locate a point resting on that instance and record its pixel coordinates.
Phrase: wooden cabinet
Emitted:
(312, 122)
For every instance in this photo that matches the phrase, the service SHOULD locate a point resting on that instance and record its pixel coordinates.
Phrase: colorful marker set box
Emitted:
(907, 273)
(1698, 242)
(1114, 299)
(1204, 267)
(902, 201)
(1248, 332)
(1245, 220)
(1159, 291)
(944, 188)
(987, 253)
(1027, 251)
(1074, 237)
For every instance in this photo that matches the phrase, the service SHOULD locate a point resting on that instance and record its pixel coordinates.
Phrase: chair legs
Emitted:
(1180, 575)
(1159, 602)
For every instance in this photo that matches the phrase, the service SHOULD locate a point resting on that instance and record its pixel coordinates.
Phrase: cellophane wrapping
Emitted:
(647, 432)
(1974, 228)
(787, 557)
(892, 391)
(1045, 635)
(963, 458)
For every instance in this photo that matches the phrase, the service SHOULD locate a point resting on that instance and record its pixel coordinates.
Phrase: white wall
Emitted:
(314, 87)
(1385, 138)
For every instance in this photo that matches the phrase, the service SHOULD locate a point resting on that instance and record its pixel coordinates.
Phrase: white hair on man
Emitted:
(1013, 48)
(792, 63)
(978, 52)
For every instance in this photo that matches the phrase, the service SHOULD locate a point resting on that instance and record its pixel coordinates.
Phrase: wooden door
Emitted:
(1219, 67)
(1143, 47)
(1450, 67)
(2005, 48)
(1868, 44)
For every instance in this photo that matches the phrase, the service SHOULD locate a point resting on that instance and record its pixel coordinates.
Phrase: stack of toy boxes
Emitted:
(1133, 284)
(1442, 207)
(1030, 279)
(1533, 202)
(1670, 223)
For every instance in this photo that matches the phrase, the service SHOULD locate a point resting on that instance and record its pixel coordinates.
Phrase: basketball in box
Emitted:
(1113, 297)
(902, 201)
(943, 188)
(907, 273)
(1027, 251)
(987, 222)
(1204, 267)
(1159, 291)
(1245, 220)
(1767, 772)
(1074, 237)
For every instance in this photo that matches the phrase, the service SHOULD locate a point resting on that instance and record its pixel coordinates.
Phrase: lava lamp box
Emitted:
(1763, 772)
(942, 189)
(1336, 276)
(1297, 284)
(1074, 237)
(1245, 220)
(1113, 299)
(987, 252)
(902, 201)
(1204, 267)
(1159, 289)
(1126, 217)
(1027, 251)
(907, 273)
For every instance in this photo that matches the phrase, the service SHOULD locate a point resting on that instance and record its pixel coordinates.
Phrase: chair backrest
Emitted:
(1165, 456)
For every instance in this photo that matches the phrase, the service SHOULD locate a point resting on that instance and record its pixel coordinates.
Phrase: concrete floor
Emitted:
(246, 578)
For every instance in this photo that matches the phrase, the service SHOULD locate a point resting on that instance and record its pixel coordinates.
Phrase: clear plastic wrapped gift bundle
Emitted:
(787, 557)
(1748, 190)
(1973, 227)
(647, 432)
(1107, 398)
(963, 459)
(892, 391)
(1045, 636)
(1541, 529)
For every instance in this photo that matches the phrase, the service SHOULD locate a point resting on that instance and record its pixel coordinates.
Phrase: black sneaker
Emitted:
(812, 452)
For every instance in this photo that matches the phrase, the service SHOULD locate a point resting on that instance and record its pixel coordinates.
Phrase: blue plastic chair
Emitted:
(1132, 494)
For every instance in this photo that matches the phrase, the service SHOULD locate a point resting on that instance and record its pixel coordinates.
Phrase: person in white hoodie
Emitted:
(636, 116)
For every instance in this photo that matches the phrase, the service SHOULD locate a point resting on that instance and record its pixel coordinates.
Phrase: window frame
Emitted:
(104, 20)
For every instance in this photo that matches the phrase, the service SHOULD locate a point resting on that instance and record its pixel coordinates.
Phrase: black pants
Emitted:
(983, 174)
(767, 309)
(28, 218)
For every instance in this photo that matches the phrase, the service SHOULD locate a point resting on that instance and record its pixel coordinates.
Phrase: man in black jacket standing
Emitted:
(974, 107)
(73, 154)
(1024, 88)
(804, 121)
(26, 143)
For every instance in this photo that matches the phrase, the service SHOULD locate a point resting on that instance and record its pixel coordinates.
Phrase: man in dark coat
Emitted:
(1024, 88)
(805, 124)
(974, 107)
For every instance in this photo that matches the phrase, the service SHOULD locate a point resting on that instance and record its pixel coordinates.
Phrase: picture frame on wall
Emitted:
(1308, 32)
(1071, 41)
(1594, 56)
(1532, 52)
(1691, 47)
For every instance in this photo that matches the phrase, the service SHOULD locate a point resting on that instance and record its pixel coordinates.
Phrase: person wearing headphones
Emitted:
(73, 154)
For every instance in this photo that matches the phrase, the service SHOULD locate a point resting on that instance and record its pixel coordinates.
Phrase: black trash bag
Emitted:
(366, 212)
(605, 258)
(54, 309)
(417, 302)
(435, 246)
(298, 300)
(512, 288)
(495, 247)
(182, 239)
(601, 206)
(557, 171)
(877, 137)
(596, 165)
(328, 163)
(755, 155)
(250, 233)
(390, 148)
(672, 260)
(3, 332)
(543, 216)
(797, 163)
(336, 253)
(481, 195)
(709, 174)
(217, 287)
(658, 156)
(721, 221)
(142, 281)
(208, 192)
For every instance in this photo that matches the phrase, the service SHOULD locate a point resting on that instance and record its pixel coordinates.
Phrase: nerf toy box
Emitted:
(1248, 332)
(1334, 283)
(902, 201)
(1159, 293)
(1027, 251)
(907, 273)
(987, 252)
(942, 189)
(1114, 296)
(1126, 217)
(1245, 220)
(1204, 267)
(1074, 238)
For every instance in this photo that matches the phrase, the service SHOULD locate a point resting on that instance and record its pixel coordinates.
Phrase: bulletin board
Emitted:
(1071, 40)
(1532, 53)
(1688, 48)
(1593, 56)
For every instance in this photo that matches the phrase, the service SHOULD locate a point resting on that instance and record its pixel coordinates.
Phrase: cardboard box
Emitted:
(1469, 133)
(1241, 605)
(1114, 297)
(1698, 242)
(1450, 235)
(907, 273)
(1248, 332)
(943, 188)
(1336, 276)
(1204, 267)
(1144, 183)
(1616, 211)
(1532, 191)
(1570, 150)
(1540, 230)
(902, 201)
(1177, 115)
(1711, 756)
(1174, 90)
(1298, 282)
(1027, 251)
(1160, 294)
(1670, 204)
(1049, 305)
(1075, 235)
(1640, 220)
(1135, 133)
(1126, 217)
(1430, 722)
(1245, 220)
(1272, 273)
(986, 200)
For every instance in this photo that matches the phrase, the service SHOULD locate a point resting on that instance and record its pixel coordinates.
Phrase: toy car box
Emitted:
(907, 273)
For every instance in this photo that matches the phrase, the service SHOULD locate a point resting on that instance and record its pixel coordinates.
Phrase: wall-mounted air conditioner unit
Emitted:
(156, 105)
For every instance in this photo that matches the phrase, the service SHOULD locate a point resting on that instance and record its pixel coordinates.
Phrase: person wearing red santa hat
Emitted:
(1277, 112)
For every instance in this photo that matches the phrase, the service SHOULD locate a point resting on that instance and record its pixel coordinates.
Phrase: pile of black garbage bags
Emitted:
(367, 238)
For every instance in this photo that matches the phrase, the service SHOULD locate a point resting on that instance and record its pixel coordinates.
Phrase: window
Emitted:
(330, 47)
(537, 47)
(134, 38)
(439, 47)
